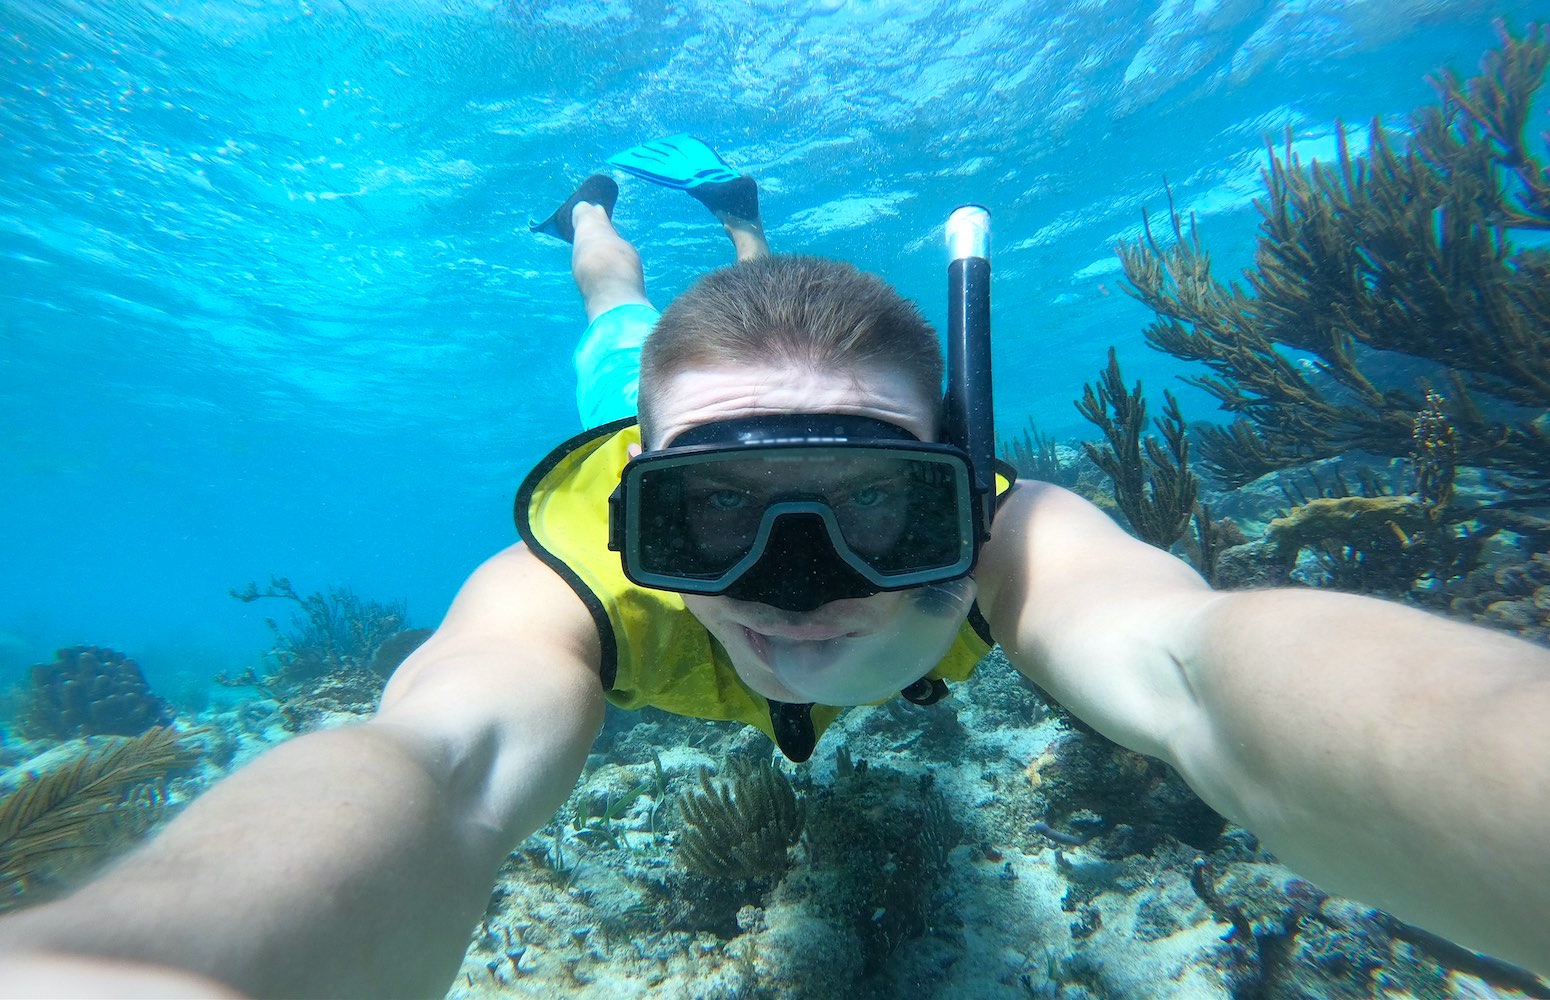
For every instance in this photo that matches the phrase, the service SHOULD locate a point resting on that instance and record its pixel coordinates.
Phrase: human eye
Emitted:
(873, 496)
(726, 500)
(869, 496)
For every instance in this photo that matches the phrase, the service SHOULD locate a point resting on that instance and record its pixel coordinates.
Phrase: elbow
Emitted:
(528, 762)
(497, 763)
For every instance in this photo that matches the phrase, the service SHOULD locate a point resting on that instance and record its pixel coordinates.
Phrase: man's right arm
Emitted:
(352, 861)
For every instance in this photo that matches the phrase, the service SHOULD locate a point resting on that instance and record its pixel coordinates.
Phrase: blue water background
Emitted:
(268, 302)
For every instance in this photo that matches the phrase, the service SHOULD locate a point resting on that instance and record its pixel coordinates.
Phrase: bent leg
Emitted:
(735, 204)
(747, 238)
(605, 266)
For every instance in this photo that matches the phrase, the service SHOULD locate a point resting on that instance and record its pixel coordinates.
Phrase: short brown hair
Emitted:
(792, 311)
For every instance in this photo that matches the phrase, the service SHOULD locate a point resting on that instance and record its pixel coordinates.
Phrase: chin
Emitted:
(851, 652)
(800, 659)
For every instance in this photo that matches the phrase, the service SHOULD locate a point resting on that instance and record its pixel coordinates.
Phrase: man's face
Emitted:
(702, 396)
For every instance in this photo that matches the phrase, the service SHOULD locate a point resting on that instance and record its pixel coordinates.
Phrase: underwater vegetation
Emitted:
(100, 798)
(1404, 253)
(1393, 314)
(90, 691)
(741, 825)
(1035, 455)
(1150, 482)
(879, 845)
(335, 655)
(1153, 486)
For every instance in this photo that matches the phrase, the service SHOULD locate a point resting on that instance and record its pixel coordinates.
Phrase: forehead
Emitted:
(699, 396)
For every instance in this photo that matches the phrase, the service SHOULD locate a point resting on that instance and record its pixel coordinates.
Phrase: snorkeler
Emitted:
(856, 591)
(760, 527)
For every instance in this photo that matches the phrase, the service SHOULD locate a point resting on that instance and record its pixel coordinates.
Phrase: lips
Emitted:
(806, 633)
(759, 639)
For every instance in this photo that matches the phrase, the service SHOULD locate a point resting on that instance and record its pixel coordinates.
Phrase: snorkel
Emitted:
(970, 407)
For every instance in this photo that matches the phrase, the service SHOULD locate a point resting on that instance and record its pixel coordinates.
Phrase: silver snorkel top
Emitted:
(968, 232)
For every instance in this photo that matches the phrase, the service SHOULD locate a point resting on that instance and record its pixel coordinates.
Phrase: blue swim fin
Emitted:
(679, 161)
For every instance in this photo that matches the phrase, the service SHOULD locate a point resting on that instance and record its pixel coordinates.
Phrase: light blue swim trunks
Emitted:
(608, 363)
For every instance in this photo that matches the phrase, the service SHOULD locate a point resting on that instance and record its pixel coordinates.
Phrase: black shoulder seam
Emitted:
(981, 626)
(607, 641)
(795, 733)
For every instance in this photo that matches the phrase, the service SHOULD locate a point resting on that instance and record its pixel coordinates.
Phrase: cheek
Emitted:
(711, 611)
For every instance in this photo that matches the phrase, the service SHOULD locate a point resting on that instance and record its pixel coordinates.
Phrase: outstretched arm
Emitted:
(1388, 754)
(355, 861)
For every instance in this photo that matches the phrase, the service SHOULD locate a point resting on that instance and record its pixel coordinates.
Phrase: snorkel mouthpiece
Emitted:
(970, 408)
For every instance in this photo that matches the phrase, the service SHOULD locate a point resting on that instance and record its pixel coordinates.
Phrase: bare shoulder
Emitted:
(514, 616)
(1045, 534)
(515, 592)
(1055, 559)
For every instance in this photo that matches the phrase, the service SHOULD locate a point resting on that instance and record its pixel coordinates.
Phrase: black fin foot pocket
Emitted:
(599, 189)
(739, 198)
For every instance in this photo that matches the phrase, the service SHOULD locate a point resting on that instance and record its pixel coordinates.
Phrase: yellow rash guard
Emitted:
(655, 652)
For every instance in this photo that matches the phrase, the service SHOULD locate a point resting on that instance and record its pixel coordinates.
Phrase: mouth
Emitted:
(802, 632)
(759, 639)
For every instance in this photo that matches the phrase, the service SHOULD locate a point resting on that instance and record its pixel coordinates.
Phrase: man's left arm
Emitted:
(1389, 754)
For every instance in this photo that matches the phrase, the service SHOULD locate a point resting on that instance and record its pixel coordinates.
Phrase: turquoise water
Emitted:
(268, 302)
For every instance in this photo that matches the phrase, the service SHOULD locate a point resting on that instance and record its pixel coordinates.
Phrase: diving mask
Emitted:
(795, 511)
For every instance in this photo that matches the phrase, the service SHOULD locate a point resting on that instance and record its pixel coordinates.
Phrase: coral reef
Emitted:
(58, 824)
(1382, 534)
(1289, 938)
(1403, 253)
(1091, 791)
(878, 847)
(335, 656)
(91, 691)
(1514, 596)
(1368, 524)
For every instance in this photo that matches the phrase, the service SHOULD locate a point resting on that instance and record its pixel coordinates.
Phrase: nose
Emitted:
(800, 569)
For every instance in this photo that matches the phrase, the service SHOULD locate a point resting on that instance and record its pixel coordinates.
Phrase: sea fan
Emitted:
(76, 815)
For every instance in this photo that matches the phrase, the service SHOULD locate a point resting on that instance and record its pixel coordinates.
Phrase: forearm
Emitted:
(1388, 754)
(347, 862)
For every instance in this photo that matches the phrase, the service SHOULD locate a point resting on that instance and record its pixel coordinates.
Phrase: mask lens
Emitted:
(893, 512)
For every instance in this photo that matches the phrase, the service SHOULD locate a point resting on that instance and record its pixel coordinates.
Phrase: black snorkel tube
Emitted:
(970, 408)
